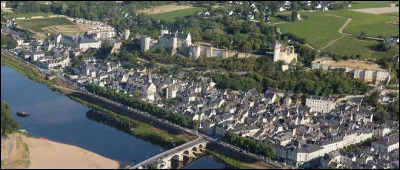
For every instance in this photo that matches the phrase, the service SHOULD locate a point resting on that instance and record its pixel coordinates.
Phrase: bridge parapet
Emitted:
(163, 160)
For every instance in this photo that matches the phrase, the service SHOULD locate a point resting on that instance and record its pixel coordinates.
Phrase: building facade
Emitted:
(320, 104)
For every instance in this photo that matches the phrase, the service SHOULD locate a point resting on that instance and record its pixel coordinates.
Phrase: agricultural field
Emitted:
(349, 45)
(372, 24)
(169, 16)
(164, 9)
(36, 25)
(369, 4)
(67, 29)
(318, 30)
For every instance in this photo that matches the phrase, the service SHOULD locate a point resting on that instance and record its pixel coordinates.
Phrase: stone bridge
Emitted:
(163, 161)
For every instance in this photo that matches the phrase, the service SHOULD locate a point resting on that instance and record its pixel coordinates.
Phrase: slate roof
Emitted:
(393, 139)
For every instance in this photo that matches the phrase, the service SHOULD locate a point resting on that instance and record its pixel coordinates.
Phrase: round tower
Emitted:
(126, 34)
(145, 43)
(277, 51)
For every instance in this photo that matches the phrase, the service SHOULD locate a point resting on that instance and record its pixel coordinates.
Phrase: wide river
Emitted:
(63, 120)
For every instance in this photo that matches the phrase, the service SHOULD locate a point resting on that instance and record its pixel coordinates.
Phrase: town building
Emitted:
(387, 144)
(320, 104)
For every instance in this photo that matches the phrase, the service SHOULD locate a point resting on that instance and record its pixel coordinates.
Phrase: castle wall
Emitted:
(382, 75)
(368, 76)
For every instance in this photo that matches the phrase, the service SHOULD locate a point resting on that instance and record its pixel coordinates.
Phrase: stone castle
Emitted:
(171, 41)
(182, 43)
(284, 53)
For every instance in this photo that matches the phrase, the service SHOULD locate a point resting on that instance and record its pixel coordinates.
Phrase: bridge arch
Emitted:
(178, 157)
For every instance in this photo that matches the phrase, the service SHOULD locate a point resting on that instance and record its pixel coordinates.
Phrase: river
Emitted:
(63, 120)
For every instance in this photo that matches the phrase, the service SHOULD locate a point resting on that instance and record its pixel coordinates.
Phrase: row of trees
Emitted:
(249, 145)
(312, 82)
(136, 103)
(7, 41)
(8, 124)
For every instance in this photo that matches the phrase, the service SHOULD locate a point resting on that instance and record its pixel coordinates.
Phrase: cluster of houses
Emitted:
(302, 135)
(383, 154)
(57, 53)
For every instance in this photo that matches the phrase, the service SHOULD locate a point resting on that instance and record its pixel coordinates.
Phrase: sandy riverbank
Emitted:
(49, 154)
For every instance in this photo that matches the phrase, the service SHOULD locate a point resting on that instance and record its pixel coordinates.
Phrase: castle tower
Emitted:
(163, 31)
(174, 43)
(126, 34)
(145, 43)
(277, 51)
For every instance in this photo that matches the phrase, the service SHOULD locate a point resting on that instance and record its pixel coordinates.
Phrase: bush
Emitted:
(381, 47)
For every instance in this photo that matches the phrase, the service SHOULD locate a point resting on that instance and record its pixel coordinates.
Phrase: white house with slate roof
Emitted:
(320, 104)
(387, 144)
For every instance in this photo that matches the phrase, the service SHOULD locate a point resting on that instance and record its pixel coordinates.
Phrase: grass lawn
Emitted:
(369, 4)
(392, 14)
(318, 30)
(372, 24)
(349, 45)
(37, 24)
(32, 14)
(169, 16)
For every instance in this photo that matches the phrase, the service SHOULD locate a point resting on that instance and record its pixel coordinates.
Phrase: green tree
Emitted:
(8, 124)
(294, 16)
(362, 35)
(153, 63)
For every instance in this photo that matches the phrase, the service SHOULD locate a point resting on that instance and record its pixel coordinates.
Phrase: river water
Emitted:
(63, 120)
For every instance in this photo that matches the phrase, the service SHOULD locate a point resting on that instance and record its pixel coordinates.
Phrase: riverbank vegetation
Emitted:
(249, 145)
(138, 128)
(26, 70)
(8, 124)
(228, 160)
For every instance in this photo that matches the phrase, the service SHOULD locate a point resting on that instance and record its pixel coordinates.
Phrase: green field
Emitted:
(37, 24)
(349, 45)
(318, 30)
(392, 14)
(369, 4)
(373, 25)
(32, 14)
(169, 16)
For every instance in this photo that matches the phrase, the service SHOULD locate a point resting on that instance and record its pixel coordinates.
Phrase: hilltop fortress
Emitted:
(284, 53)
(182, 43)
(170, 41)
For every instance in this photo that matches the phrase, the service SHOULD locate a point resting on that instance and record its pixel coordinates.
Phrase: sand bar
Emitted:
(46, 154)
